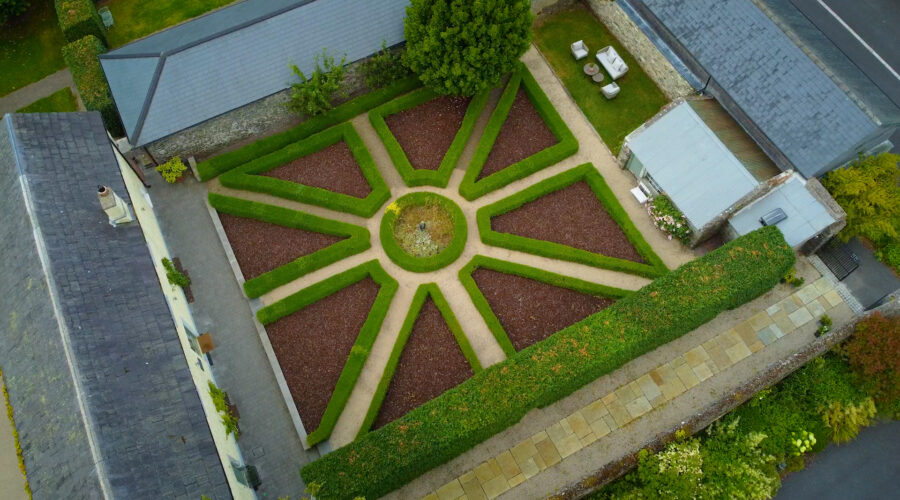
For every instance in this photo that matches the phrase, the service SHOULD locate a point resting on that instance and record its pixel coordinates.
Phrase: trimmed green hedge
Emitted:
(502, 394)
(78, 19)
(424, 177)
(357, 240)
(418, 301)
(493, 323)
(423, 264)
(245, 177)
(81, 57)
(471, 187)
(225, 162)
(587, 173)
(364, 341)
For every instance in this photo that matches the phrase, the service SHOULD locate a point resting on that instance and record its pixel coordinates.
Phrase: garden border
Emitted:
(472, 188)
(364, 340)
(246, 176)
(422, 293)
(584, 172)
(484, 308)
(357, 240)
(414, 177)
(227, 161)
(423, 264)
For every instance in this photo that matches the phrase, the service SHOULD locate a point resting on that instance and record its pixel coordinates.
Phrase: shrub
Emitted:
(889, 253)
(12, 8)
(312, 96)
(792, 279)
(81, 57)
(220, 401)
(385, 67)
(824, 325)
(175, 276)
(172, 170)
(869, 191)
(499, 396)
(874, 355)
(78, 19)
(460, 47)
(668, 219)
(845, 420)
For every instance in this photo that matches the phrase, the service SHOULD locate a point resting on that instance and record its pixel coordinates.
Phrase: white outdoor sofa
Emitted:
(612, 62)
(579, 50)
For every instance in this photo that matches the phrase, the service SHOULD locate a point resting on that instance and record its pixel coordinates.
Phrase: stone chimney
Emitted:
(116, 208)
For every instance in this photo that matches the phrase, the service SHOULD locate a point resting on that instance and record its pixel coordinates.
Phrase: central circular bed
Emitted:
(423, 231)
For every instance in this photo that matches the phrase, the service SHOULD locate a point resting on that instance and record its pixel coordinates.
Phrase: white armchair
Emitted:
(579, 50)
(612, 62)
(610, 91)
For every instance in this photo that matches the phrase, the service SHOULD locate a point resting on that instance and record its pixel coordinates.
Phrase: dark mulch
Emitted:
(571, 216)
(426, 131)
(260, 246)
(333, 168)
(431, 363)
(523, 134)
(530, 310)
(313, 343)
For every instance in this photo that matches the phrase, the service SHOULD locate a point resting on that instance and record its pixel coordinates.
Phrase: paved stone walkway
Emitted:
(38, 90)
(12, 483)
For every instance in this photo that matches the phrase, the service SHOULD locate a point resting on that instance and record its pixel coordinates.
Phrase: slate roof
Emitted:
(104, 402)
(234, 56)
(807, 117)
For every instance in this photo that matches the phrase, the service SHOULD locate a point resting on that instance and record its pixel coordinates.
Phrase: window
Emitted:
(240, 473)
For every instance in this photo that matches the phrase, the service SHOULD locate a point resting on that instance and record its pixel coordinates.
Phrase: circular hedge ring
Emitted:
(423, 231)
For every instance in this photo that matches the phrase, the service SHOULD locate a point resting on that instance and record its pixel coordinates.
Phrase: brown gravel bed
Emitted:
(333, 168)
(571, 216)
(530, 310)
(426, 131)
(523, 134)
(260, 247)
(431, 363)
(313, 343)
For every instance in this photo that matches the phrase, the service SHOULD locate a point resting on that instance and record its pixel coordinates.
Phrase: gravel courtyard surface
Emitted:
(333, 168)
(530, 310)
(523, 134)
(260, 247)
(312, 345)
(571, 216)
(426, 131)
(431, 363)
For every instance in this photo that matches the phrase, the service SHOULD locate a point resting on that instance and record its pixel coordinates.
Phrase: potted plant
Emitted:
(173, 170)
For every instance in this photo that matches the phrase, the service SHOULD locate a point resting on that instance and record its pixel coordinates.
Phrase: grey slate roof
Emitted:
(798, 108)
(201, 69)
(87, 318)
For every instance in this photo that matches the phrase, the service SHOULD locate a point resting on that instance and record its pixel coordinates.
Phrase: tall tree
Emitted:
(869, 191)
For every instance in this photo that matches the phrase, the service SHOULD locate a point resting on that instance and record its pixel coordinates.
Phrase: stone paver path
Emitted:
(38, 90)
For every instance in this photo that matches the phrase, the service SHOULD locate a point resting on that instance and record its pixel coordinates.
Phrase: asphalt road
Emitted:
(867, 468)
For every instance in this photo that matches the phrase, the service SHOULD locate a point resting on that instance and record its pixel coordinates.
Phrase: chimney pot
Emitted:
(116, 208)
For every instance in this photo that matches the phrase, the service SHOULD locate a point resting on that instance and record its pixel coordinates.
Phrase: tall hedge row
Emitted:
(498, 397)
(81, 57)
(78, 19)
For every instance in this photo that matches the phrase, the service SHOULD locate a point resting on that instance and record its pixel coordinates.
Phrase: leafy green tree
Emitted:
(869, 191)
(312, 96)
(384, 68)
(12, 8)
(461, 47)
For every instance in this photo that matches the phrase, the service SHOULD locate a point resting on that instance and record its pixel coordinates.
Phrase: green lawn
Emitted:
(30, 47)
(61, 101)
(138, 18)
(639, 98)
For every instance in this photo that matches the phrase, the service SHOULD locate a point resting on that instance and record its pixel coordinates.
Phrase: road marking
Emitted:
(859, 38)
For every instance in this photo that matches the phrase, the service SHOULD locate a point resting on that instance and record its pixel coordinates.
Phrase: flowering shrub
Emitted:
(172, 170)
(668, 219)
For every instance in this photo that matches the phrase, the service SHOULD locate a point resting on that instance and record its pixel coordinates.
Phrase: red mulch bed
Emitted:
(530, 310)
(313, 343)
(260, 247)
(431, 363)
(426, 131)
(523, 134)
(333, 168)
(571, 216)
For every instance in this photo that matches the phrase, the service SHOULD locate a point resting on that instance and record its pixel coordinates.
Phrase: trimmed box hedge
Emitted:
(357, 240)
(423, 264)
(225, 162)
(78, 19)
(587, 173)
(81, 57)
(471, 187)
(493, 323)
(543, 373)
(364, 341)
(245, 177)
(424, 177)
(415, 308)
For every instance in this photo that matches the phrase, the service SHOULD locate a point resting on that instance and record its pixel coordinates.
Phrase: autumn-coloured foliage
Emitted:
(874, 354)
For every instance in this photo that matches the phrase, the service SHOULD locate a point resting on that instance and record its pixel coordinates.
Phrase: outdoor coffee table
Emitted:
(597, 77)
(591, 69)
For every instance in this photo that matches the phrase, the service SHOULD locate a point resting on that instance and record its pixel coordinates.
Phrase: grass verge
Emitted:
(138, 18)
(587, 173)
(61, 101)
(423, 264)
(30, 47)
